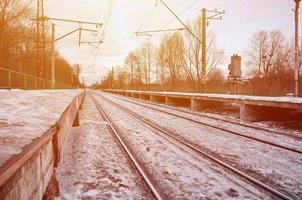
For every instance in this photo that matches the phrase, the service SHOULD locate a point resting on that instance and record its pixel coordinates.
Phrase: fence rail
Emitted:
(10, 79)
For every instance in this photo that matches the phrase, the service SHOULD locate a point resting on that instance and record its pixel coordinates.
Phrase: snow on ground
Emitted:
(26, 115)
(277, 167)
(94, 166)
(176, 170)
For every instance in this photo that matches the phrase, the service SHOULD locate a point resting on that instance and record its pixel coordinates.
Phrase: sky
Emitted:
(241, 20)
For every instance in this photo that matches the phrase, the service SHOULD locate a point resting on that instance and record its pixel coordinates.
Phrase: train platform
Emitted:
(33, 125)
(252, 108)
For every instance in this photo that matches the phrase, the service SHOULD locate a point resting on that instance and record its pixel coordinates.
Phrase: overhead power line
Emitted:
(175, 15)
(180, 13)
(185, 5)
(73, 21)
(160, 30)
(146, 19)
(40, 19)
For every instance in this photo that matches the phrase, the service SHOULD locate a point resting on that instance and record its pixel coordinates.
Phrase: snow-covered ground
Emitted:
(276, 167)
(26, 115)
(177, 171)
(94, 166)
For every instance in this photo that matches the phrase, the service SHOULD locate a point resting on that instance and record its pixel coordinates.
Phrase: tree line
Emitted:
(18, 45)
(175, 65)
(175, 61)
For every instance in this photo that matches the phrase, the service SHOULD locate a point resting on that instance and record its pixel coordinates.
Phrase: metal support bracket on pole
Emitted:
(53, 39)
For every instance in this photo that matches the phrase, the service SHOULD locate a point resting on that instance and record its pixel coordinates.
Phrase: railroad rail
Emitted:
(252, 108)
(127, 150)
(211, 117)
(212, 126)
(171, 135)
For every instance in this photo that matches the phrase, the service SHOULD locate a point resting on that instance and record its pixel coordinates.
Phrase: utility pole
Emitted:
(53, 39)
(43, 70)
(216, 15)
(112, 77)
(53, 70)
(149, 63)
(203, 43)
(296, 86)
(40, 39)
(132, 75)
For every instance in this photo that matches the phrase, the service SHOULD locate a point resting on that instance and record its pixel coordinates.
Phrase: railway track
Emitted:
(215, 127)
(212, 117)
(172, 136)
(144, 175)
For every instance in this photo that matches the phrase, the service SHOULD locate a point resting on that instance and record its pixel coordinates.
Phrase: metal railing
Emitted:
(10, 79)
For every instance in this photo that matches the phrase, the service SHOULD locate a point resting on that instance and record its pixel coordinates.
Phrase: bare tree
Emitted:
(134, 65)
(18, 43)
(121, 79)
(161, 63)
(216, 76)
(130, 62)
(12, 12)
(171, 53)
(192, 59)
(267, 50)
(270, 59)
(144, 53)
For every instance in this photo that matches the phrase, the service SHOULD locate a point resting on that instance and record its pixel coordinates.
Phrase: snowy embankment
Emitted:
(178, 172)
(26, 115)
(94, 166)
(274, 166)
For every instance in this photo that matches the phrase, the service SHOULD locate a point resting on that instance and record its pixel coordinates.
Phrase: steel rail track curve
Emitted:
(155, 193)
(214, 127)
(203, 153)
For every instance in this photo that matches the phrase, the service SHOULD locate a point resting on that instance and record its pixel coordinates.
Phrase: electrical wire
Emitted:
(175, 15)
(147, 18)
(75, 11)
(106, 18)
(94, 52)
(180, 13)
(185, 5)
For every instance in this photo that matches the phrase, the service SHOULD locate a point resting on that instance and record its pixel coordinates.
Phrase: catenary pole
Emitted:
(112, 84)
(203, 44)
(53, 69)
(296, 90)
